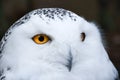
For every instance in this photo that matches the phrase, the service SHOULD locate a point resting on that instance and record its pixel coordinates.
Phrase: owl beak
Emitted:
(69, 65)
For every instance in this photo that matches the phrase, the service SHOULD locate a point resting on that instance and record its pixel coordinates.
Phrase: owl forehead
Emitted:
(57, 25)
(52, 20)
(47, 14)
(52, 13)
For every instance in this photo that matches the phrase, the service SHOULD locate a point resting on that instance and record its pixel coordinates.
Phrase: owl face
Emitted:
(53, 43)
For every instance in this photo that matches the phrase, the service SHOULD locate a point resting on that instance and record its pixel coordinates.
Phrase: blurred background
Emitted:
(105, 13)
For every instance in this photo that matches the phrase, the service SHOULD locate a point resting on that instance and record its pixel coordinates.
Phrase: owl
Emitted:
(54, 44)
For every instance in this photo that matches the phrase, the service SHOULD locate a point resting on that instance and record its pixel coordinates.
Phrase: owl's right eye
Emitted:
(41, 39)
(83, 36)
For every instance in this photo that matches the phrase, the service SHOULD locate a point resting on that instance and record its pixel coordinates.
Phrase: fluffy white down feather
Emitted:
(22, 59)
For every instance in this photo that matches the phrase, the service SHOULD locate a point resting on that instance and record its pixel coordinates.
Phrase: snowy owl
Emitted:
(54, 44)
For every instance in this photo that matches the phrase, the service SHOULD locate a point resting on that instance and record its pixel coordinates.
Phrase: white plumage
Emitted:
(73, 49)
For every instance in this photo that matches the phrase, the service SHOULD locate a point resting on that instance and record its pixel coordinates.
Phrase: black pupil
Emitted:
(41, 38)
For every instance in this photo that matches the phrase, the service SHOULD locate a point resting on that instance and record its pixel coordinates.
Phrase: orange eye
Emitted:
(40, 39)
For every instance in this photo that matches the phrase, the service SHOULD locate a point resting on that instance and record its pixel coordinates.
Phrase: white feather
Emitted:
(23, 59)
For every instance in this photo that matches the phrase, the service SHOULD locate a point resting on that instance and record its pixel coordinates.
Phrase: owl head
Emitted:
(54, 44)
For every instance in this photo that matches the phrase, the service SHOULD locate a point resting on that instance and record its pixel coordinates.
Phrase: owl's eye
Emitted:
(83, 36)
(41, 39)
